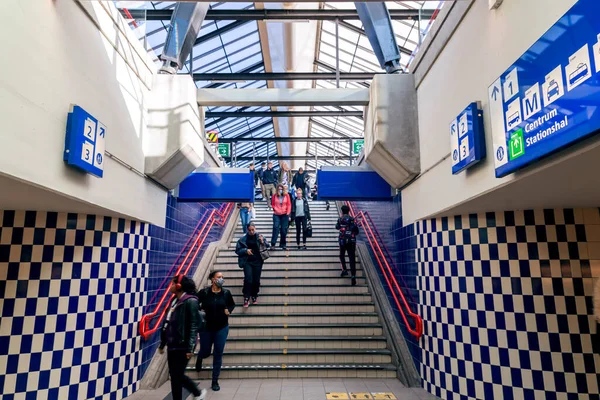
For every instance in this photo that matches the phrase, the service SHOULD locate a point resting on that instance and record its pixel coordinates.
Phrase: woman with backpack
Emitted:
(347, 240)
(217, 302)
(251, 250)
(301, 216)
(178, 333)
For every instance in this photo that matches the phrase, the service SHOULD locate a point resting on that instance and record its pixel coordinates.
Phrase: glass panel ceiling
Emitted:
(222, 47)
(234, 46)
(356, 55)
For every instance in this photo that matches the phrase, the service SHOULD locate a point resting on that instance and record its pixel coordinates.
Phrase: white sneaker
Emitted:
(202, 395)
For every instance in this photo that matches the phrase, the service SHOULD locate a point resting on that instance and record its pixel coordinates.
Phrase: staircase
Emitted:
(309, 322)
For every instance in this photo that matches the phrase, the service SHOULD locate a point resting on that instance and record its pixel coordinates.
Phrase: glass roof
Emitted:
(356, 55)
(222, 47)
(234, 46)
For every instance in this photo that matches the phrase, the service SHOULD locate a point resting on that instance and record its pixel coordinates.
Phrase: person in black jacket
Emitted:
(270, 178)
(248, 249)
(218, 304)
(301, 216)
(347, 240)
(179, 333)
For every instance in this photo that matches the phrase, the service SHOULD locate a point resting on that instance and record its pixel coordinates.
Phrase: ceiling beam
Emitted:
(282, 76)
(283, 97)
(289, 114)
(266, 15)
(287, 139)
(294, 158)
(360, 31)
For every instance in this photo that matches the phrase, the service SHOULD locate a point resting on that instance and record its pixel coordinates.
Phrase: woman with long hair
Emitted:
(217, 302)
(179, 333)
(282, 207)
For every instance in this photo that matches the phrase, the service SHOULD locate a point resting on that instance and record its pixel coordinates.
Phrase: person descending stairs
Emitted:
(309, 322)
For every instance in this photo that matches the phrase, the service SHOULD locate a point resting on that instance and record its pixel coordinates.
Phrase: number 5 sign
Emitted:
(85, 142)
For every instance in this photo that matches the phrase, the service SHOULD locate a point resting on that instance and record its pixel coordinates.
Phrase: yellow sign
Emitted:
(337, 396)
(212, 136)
(384, 396)
(361, 396)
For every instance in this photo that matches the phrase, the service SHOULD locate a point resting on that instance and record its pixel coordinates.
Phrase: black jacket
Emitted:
(306, 209)
(241, 249)
(214, 305)
(270, 177)
(300, 180)
(180, 328)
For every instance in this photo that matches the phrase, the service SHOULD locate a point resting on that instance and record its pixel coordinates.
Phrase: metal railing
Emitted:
(364, 220)
(210, 218)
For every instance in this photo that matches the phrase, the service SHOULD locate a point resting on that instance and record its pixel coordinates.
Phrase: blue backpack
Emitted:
(348, 230)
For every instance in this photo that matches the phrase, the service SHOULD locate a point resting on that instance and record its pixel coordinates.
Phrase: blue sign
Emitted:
(352, 183)
(467, 138)
(550, 97)
(218, 184)
(85, 142)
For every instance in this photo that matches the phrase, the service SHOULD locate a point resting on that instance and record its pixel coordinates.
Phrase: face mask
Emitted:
(220, 282)
(280, 192)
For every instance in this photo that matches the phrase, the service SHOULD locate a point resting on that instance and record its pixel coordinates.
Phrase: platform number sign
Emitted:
(85, 142)
(467, 138)
(550, 97)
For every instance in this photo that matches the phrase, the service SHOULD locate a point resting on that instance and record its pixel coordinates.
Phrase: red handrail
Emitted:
(218, 217)
(362, 219)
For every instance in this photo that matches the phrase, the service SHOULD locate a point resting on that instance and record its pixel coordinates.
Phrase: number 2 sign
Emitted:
(85, 142)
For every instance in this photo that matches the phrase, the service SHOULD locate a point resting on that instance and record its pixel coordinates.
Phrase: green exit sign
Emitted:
(357, 145)
(224, 149)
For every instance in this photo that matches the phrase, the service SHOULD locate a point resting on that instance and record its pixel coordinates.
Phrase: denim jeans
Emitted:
(208, 340)
(280, 226)
(245, 218)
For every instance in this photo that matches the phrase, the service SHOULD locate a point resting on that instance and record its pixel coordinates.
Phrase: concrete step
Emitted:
(305, 289)
(295, 298)
(311, 243)
(370, 329)
(244, 318)
(287, 266)
(293, 251)
(302, 356)
(269, 308)
(281, 273)
(283, 371)
(299, 281)
(282, 257)
(307, 342)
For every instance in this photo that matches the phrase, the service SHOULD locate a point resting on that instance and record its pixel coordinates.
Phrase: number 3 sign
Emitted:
(85, 142)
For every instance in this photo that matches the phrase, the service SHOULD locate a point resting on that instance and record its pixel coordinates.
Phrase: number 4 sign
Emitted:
(85, 142)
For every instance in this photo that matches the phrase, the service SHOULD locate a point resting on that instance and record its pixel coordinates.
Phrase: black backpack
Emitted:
(348, 230)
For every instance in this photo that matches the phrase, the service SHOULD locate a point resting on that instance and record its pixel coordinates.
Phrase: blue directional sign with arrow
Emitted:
(550, 97)
(467, 138)
(85, 142)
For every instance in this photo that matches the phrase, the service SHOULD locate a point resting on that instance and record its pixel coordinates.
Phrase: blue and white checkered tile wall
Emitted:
(72, 289)
(167, 248)
(507, 303)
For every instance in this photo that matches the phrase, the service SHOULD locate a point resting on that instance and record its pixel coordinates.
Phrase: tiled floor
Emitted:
(292, 389)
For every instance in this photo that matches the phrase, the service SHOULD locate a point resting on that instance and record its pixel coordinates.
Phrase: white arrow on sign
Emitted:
(497, 122)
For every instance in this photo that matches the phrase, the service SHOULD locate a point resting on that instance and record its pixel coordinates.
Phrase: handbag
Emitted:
(309, 231)
(264, 250)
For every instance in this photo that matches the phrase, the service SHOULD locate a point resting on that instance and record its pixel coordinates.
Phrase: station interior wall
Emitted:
(506, 299)
(73, 288)
(74, 52)
(466, 54)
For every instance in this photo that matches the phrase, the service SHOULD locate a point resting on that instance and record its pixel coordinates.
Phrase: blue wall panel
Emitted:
(352, 185)
(217, 186)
